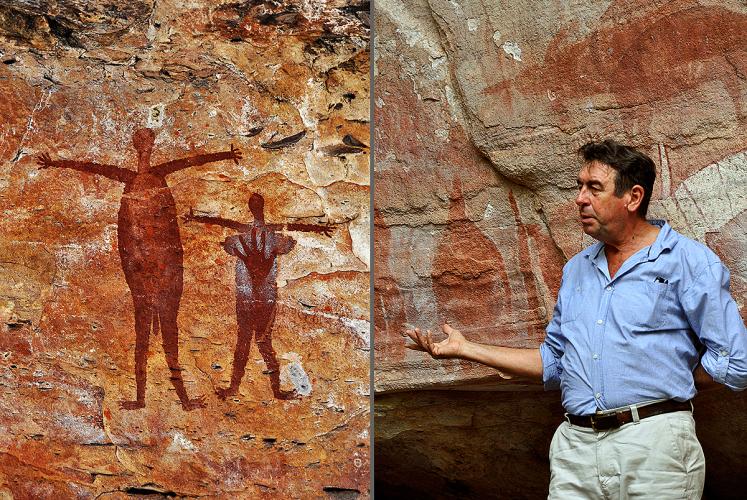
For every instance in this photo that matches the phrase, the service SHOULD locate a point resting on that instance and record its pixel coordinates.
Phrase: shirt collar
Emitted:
(664, 240)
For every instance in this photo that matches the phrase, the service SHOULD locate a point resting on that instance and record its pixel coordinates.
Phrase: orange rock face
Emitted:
(163, 332)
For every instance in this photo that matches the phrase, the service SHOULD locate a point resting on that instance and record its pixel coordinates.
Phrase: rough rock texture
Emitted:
(479, 109)
(285, 83)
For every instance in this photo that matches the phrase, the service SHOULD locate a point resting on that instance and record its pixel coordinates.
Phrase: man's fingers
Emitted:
(429, 337)
(415, 347)
(421, 339)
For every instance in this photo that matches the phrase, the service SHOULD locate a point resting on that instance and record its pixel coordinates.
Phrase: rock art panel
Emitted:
(98, 257)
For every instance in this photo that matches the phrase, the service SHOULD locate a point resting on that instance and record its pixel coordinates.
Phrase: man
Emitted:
(637, 312)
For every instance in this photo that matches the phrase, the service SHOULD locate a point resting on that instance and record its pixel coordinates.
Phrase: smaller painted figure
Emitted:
(256, 250)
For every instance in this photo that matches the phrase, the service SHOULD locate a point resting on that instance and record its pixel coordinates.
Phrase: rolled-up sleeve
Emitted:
(714, 317)
(551, 351)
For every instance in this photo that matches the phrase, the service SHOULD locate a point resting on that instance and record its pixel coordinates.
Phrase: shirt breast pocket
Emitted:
(652, 313)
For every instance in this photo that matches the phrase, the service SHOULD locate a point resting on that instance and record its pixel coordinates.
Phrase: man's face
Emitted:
(603, 215)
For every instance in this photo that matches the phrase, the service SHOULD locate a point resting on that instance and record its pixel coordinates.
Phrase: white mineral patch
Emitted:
(305, 111)
(332, 404)
(410, 27)
(249, 117)
(497, 38)
(360, 234)
(472, 24)
(80, 429)
(512, 49)
(93, 205)
(313, 9)
(180, 443)
(712, 197)
(361, 327)
(296, 375)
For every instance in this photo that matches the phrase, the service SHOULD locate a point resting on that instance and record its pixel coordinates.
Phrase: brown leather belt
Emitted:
(607, 421)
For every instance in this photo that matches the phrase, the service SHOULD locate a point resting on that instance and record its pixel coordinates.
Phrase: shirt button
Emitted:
(609, 288)
(724, 353)
(598, 395)
(599, 322)
(595, 356)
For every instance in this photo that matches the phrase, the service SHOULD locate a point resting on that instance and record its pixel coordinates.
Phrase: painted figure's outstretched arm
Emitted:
(326, 230)
(109, 171)
(193, 161)
(218, 221)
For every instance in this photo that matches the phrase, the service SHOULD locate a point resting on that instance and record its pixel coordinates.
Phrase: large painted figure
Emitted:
(151, 252)
(256, 250)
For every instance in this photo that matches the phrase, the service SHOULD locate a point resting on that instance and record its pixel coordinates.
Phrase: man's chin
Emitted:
(589, 226)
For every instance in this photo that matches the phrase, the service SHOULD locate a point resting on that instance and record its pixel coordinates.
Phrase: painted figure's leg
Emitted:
(240, 356)
(264, 343)
(170, 334)
(144, 319)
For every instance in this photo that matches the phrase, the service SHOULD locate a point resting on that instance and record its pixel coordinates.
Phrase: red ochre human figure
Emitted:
(256, 250)
(151, 252)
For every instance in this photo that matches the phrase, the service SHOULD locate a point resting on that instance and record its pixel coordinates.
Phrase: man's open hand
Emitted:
(450, 347)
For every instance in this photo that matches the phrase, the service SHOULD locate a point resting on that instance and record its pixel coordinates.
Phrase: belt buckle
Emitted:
(600, 419)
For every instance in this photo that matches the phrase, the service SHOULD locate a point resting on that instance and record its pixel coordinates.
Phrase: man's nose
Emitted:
(582, 198)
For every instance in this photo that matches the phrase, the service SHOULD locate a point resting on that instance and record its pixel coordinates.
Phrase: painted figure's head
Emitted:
(257, 206)
(143, 140)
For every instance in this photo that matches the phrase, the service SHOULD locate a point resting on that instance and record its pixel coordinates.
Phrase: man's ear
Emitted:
(636, 198)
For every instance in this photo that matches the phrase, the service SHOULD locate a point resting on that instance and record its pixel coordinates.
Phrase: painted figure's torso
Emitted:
(256, 273)
(148, 231)
(255, 287)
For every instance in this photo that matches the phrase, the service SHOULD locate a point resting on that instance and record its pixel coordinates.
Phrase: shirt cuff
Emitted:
(716, 364)
(550, 368)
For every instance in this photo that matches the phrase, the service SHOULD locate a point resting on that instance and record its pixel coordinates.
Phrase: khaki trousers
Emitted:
(657, 458)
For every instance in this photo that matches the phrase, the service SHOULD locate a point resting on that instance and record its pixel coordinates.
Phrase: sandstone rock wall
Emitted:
(479, 108)
(285, 83)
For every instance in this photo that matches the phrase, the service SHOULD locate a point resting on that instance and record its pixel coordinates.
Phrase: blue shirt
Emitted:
(638, 336)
